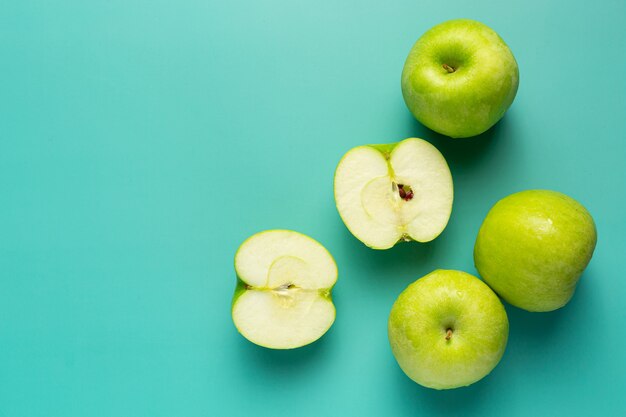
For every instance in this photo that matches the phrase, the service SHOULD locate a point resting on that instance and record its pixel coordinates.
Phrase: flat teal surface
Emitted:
(142, 141)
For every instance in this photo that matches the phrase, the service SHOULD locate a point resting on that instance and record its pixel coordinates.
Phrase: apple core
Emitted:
(404, 191)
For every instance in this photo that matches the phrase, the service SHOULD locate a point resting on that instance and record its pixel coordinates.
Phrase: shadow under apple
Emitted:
(454, 402)
(404, 257)
(289, 364)
(539, 331)
(536, 341)
(464, 152)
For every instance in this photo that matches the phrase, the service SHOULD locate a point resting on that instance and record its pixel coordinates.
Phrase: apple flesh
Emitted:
(448, 330)
(533, 247)
(388, 193)
(459, 78)
(283, 294)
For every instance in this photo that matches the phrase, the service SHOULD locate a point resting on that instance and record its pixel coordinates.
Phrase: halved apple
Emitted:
(388, 193)
(283, 294)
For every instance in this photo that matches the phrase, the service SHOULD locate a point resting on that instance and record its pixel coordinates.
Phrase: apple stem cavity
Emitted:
(448, 334)
(449, 68)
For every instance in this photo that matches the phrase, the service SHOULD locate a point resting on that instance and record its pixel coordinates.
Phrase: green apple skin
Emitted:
(420, 319)
(533, 247)
(472, 98)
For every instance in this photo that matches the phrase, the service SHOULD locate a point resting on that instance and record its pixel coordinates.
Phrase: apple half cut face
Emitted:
(388, 193)
(283, 294)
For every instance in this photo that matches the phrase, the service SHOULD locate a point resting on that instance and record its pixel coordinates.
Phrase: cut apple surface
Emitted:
(283, 295)
(388, 193)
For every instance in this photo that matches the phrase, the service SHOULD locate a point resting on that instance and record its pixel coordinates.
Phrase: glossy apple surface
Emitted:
(533, 247)
(459, 78)
(448, 330)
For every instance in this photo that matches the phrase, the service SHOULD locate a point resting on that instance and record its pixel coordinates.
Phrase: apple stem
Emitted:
(449, 68)
(448, 334)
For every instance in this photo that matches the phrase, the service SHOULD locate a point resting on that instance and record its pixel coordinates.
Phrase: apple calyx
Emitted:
(448, 68)
(448, 334)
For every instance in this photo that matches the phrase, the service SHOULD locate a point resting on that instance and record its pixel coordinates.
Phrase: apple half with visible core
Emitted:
(533, 247)
(395, 192)
(448, 330)
(459, 78)
(283, 294)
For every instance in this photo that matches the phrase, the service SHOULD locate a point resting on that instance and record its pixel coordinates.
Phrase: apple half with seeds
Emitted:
(283, 294)
(394, 192)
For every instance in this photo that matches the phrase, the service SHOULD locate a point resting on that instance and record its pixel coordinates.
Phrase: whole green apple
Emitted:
(448, 330)
(533, 246)
(459, 78)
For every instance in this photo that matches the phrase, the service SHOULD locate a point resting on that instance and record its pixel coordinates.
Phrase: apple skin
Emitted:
(533, 247)
(418, 326)
(470, 100)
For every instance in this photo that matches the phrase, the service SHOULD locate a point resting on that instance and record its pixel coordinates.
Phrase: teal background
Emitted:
(142, 141)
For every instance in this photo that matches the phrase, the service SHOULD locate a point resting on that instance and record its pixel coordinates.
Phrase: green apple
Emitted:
(459, 78)
(533, 246)
(448, 330)
(283, 294)
(388, 193)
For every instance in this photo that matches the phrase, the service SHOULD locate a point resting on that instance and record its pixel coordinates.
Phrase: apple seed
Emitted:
(405, 192)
